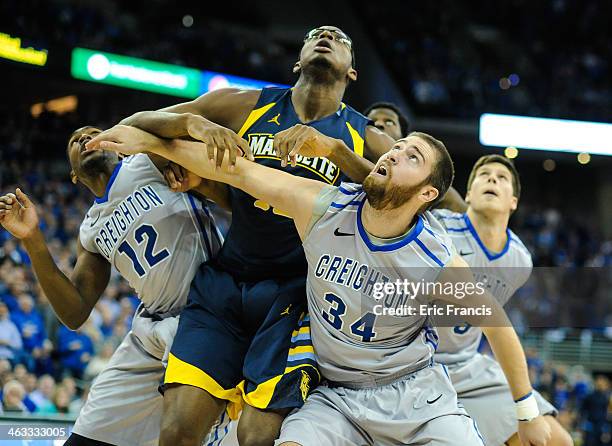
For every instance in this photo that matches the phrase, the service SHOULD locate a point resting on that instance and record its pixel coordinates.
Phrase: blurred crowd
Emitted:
(545, 58)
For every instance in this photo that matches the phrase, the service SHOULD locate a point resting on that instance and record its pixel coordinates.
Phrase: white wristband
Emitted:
(527, 408)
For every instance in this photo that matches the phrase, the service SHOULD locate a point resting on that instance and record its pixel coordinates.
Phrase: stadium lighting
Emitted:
(10, 48)
(559, 135)
(157, 77)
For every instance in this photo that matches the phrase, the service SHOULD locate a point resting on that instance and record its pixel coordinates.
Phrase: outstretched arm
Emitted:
(506, 346)
(74, 298)
(291, 195)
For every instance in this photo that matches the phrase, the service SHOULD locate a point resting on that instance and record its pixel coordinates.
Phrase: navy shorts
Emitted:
(245, 341)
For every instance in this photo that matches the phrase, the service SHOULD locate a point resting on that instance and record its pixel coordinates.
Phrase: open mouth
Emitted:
(490, 192)
(383, 169)
(323, 46)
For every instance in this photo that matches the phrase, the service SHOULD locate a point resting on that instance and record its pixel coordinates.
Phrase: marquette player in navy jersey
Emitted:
(383, 387)
(482, 237)
(388, 118)
(156, 239)
(235, 338)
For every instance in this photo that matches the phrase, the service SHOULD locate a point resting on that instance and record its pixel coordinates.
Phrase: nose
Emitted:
(492, 179)
(326, 34)
(392, 157)
(379, 124)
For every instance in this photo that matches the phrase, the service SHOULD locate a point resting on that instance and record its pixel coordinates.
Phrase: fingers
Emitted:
(245, 147)
(94, 142)
(300, 139)
(171, 178)
(23, 198)
(110, 146)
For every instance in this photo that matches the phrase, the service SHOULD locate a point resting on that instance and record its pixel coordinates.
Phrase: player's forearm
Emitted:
(287, 194)
(61, 292)
(510, 355)
(159, 123)
(352, 165)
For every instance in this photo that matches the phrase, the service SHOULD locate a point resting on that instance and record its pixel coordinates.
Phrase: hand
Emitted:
(535, 432)
(124, 139)
(18, 215)
(218, 139)
(180, 179)
(303, 140)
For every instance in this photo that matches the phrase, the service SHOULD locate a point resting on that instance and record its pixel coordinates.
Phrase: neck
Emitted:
(97, 184)
(313, 99)
(491, 228)
(387, 223)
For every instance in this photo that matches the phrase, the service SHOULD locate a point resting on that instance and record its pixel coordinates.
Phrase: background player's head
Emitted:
(493, 185)
(416, 172)
(87, 165)
(388, 118)
(327, 56)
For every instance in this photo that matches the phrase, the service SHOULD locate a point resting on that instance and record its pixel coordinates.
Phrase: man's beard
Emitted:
(386, 198)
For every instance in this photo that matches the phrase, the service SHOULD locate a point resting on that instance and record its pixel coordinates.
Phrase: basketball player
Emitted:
(388, 118)
(156, 239)
(481, 236)
(235, 337)
(383, 388)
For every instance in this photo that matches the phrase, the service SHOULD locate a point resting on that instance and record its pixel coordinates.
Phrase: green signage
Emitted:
(131, 72)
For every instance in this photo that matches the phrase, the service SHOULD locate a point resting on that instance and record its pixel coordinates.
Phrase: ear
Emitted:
(352, 74)
(297, 67)
(467, 197)
(513, 203)
(73, 177)
(429, 194)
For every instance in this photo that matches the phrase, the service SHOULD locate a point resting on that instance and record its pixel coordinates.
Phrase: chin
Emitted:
(96, 163)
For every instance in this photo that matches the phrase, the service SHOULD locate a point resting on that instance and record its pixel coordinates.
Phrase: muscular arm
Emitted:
(228, 107)
(292, 195)
(356, 167)
(74, 298)
(502, 337)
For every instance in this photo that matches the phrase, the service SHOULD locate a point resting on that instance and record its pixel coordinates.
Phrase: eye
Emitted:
(389, 122)
(413, 157)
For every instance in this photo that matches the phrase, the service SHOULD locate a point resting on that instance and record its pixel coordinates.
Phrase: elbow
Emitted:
(74, 322)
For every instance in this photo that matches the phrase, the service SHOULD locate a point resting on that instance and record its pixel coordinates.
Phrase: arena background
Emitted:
(445, 63)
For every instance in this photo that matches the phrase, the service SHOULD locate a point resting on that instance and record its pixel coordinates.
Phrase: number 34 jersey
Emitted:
(154, 237)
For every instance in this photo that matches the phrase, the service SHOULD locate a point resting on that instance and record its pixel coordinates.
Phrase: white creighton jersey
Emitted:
(154, 237)
(356, 340)
(503, 273)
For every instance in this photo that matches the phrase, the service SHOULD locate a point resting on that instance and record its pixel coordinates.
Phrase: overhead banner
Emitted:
(157, 77)
(560, 135)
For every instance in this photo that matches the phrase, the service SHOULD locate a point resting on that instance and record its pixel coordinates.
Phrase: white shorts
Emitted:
(418, 409)
(483, 390)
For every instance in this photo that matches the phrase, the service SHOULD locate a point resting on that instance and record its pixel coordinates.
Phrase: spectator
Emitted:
(12, 397)
(595, 412)
(10, 339)
(44, 393)
(75, 349)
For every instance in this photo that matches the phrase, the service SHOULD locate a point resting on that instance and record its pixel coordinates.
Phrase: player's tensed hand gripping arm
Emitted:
(214, 118)
(292, 195)
(74, 298)
(505, 345)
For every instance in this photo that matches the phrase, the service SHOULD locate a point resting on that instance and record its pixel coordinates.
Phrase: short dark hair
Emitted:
(403, 120)
(80, 129)
(443, 171)
(488, 159)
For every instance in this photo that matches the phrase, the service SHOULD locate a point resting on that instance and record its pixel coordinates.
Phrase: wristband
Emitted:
(526, 407)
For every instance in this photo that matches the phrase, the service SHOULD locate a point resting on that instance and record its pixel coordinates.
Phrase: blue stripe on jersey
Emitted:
(301, 337)
(213, 226)
(490, 255)
(457, 229)
(436, 237)
(342, 206)
(410, 236)
(217, 430)
(428, 252)
(348, 192)
(111, 180)
(449, 217)
(478, 432)
(202, 227)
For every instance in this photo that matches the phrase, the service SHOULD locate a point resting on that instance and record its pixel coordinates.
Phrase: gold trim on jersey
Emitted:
(357, 139)
(253, 117)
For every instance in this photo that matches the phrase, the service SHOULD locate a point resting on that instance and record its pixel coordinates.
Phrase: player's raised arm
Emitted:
(72, 299)
(505, 344)
(293, 196)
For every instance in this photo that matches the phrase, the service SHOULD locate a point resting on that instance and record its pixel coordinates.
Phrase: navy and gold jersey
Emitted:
(261, 242)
